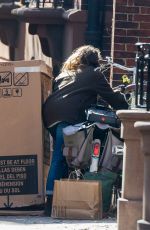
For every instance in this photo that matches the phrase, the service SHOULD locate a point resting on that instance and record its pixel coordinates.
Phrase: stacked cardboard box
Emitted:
(24, 142)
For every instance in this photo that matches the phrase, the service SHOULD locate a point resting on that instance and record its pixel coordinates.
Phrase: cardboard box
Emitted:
(24, 142)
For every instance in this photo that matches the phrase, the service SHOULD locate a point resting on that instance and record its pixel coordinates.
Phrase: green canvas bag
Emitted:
(107, 179)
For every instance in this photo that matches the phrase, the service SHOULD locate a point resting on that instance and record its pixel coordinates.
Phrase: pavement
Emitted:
(47, 223)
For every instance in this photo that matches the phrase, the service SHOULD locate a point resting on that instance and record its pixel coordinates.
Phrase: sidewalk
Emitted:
(47, 223)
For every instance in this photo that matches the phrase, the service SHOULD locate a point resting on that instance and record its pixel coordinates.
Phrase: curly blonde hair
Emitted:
(86, 55)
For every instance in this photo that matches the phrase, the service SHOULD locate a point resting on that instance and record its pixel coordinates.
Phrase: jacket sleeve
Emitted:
(115, 99)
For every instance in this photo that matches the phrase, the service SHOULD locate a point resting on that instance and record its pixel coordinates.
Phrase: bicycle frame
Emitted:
(127, 89)
(119, 66)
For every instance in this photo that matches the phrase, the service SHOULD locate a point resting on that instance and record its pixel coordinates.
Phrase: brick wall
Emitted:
(132, 24)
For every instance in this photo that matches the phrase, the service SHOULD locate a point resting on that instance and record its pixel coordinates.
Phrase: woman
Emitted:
(75, 89)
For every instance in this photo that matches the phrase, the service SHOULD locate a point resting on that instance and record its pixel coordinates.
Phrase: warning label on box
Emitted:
(18, 175)
(5, 79)
(12, 84)
(21, 79)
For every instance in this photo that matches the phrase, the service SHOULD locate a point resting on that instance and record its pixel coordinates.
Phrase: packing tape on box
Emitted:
(31, 69)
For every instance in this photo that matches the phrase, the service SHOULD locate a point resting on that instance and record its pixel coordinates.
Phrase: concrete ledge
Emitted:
(143, 225)
(129, 212)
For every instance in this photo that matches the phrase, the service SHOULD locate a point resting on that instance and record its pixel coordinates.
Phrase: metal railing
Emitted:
(142, 96)
(42, 3)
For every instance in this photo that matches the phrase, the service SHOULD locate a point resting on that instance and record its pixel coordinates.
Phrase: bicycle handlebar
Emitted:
(129, 69)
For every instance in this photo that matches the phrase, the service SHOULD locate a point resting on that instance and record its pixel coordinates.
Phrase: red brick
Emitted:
(142, 3)
(120, 32)
(121, 17)
(132, 24)
(122, 2)
(124, 54)
(125, 24)
(130, 62)
(141, 18)
(145, 25)
(132, 40)
(119, 61)
(139, 33)
(130, 3)
(143, 39)
(130, 47)
(130, 17)
(123, 9)
(145, 10)
(119, 47)
(119, 71)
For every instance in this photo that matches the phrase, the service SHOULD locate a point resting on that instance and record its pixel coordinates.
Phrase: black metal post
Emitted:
(141, 80)
(68, 4)
(143, 76)
(148, 82)
(137, 79)
(94, 30)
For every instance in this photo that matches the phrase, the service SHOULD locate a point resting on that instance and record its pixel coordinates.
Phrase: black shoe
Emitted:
(48, 205)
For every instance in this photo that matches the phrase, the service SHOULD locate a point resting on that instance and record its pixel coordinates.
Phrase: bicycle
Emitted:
(129, 84)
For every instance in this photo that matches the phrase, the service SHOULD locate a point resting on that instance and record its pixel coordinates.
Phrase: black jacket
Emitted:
(75, 92)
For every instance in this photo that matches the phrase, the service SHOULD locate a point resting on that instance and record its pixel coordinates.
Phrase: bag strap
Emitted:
(85, 139)
(76, 174)
(85, 125)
